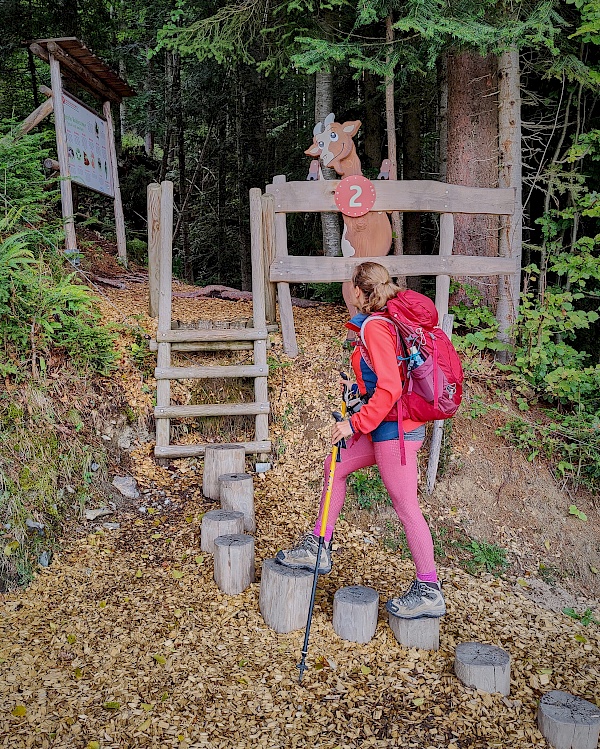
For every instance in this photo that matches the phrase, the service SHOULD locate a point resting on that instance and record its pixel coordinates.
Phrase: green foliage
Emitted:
(586, 618)
(472, 315)
(368, 488)
(486, 557)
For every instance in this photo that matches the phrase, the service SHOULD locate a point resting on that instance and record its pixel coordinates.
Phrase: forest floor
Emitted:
(125, 640)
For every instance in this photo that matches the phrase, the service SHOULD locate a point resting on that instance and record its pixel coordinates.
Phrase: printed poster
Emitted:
(87, 146)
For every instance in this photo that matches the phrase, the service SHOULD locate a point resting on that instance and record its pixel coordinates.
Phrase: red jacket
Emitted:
(381, 344)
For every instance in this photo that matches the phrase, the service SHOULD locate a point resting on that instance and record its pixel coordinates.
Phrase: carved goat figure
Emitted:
(365, 236)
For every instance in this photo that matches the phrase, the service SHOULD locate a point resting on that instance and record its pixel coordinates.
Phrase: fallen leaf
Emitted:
(146, 706)
(19, 711)
(199, 559)
(547, 544)
(111, 705)
(365, 670)
(145, 725)
(580, 638)
(93, 745)
(78, 673)
(71, 639)
(160, 659)
(138, 573)
(594, 570)
(177, 574)
(418, 701)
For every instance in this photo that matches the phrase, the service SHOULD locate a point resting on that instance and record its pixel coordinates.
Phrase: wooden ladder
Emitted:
(160, 220)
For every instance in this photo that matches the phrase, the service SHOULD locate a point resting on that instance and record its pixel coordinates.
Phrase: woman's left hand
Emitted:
(341, 430)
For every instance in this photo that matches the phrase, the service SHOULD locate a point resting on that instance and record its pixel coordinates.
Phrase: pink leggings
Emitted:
(401, 483)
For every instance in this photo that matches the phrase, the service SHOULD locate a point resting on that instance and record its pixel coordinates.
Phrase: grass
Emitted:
(368, 489)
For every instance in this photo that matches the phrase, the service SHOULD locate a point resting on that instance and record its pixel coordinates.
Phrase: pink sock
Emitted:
(428, 577)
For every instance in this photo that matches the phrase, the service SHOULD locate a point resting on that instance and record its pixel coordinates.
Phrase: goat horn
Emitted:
(329, 119)
(318, 129)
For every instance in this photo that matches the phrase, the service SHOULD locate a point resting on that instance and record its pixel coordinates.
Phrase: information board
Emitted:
(88, 148)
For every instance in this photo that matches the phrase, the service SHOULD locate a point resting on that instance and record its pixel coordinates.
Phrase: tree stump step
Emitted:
(284, 596)
(484, 667)
(219, 523)
(355, 613)
(234, 562)
(236, 491)
(422, 633)
(220, 459)
(568, 722)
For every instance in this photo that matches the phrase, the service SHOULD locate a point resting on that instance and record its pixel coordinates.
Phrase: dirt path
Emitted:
(126, 641)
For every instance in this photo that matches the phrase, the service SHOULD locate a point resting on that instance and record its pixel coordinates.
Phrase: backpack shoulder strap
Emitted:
(374, 317)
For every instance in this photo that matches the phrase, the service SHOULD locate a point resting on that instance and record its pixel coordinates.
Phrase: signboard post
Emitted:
(85, 139)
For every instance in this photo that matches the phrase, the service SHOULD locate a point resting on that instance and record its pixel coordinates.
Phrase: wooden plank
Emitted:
(66, 194)
(34, 119)
(257, 257)
(442, 283)
(296, 269)
(214, 334)
(217, 409)
(202, 373)
(163, 395)
(83, 73)
(208, 346)
(286, 312)
(192, 451)
(118, 203)
(426, 196)
(153, 205)
(268, 217)
(165, 261)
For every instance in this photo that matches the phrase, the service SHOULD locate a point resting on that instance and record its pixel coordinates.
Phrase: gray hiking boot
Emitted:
(304, 555)
(421, 599)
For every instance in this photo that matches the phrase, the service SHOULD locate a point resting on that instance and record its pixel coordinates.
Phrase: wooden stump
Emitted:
(220, 459)
(219, 523)
(284, 596)
(234, 563)
(423, 633)
(236, 491)
(484, 667)
(568, 722)
(355, 613)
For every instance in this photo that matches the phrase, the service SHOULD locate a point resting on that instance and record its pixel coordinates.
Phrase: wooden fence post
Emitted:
(438, 426)
(442, 283)
(118, 204)
(163, 358)
(268, 215)
(66, 193)
(153, 201)
(286, 314)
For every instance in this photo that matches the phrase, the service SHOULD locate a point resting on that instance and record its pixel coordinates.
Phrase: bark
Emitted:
(323, 106)
(188, 270)
(392, 153)
(411, 120)
(473, 154)
(442, 72)
(371, 124)
(150, 110)
(510, 175)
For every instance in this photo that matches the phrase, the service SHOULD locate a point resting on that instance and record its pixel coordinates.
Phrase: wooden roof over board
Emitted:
(83, 60)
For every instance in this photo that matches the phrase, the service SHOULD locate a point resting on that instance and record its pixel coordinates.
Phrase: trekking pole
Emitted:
(334, 457)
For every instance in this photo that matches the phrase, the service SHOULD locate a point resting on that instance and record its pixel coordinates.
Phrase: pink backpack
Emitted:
(433, 389)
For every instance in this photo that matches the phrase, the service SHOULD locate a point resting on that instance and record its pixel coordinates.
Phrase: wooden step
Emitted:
(208, 346)
(202, 373)
(192, 451)
(216, 409)
(226, 334)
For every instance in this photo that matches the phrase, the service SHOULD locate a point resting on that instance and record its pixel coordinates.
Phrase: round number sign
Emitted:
(355, 195)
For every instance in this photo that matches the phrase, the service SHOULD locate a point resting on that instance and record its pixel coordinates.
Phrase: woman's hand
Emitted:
(341, 430)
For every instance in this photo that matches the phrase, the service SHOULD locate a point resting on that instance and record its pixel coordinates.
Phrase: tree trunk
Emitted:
(150, 110)
(323, 106)
(412, 170)
(510, 173)
(442, 74)
(371, 124)
(188, 270)
(473, 154)
(390, 117)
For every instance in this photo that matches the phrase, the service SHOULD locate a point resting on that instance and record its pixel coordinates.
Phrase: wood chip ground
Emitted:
(125, 641)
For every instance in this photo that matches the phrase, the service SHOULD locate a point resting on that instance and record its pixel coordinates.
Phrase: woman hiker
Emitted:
(374, 440)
